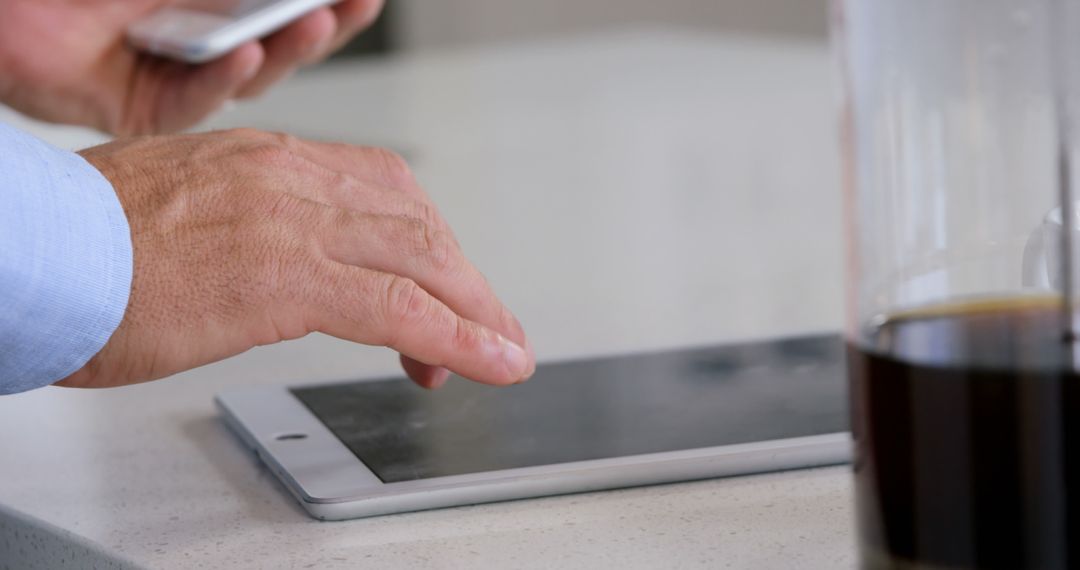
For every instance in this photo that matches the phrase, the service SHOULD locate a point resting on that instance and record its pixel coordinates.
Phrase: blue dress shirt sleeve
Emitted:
(65, 262)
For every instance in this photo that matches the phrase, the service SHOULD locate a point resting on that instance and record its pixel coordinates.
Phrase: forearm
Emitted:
(65, 262)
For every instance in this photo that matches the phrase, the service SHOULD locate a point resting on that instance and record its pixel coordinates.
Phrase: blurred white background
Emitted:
(425, 24)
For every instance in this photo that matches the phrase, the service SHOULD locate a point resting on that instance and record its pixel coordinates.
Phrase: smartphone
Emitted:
(198, 31)
(363, 448)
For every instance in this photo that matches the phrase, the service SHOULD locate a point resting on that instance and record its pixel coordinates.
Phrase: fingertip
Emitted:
(322, 24)
(516, 360)
(231, 71)
(312, 34)
(322, 20)
(245, 61)
(303, 42)
(532, 359)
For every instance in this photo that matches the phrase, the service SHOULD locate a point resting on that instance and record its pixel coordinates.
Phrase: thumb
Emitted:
(195, 91)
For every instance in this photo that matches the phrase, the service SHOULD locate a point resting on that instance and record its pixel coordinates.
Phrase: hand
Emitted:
(68, 61)
(244, 238)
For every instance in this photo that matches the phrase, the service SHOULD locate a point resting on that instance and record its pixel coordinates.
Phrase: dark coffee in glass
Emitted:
(966, 419)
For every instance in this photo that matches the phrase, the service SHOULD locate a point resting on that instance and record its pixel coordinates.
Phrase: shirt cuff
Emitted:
(65, 262)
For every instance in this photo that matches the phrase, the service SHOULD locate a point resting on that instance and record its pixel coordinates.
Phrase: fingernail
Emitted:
(516, 359)
(532, 359)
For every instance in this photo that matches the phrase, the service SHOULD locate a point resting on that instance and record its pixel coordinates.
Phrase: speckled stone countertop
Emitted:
(654, 188)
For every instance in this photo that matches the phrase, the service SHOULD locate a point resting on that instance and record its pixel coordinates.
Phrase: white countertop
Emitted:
(627, 191)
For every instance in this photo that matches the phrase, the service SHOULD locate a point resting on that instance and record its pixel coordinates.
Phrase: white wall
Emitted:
(427, 24)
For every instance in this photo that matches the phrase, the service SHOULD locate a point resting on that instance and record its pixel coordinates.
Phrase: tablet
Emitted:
(362, 448)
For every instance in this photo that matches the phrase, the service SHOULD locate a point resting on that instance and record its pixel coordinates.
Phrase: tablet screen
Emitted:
(591, 409)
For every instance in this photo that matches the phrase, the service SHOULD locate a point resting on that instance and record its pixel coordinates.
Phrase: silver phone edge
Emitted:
(223, 40)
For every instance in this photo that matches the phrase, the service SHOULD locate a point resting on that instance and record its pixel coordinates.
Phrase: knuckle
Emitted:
(438, 249)
(432, 246)
(394, 167)
(411, 234)
(465, 338)
(341, 183)
(266, 155)
(245, 133)
(428, 214)
(284, 140)
(404, 302)
(269, 149)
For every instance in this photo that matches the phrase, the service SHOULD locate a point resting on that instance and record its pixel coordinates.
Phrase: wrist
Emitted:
(6, 77)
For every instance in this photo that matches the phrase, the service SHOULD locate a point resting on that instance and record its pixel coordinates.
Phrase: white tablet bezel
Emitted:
(332, 483)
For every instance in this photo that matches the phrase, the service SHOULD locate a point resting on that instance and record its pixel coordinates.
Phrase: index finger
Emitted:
(455, 281)
(427, 255)
(377, 308)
